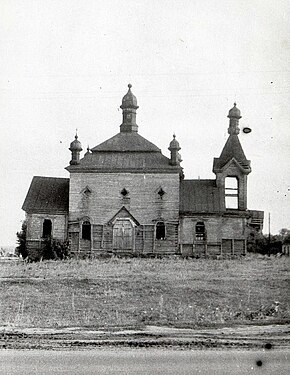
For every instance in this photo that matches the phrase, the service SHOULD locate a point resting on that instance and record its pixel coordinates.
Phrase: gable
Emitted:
(123, 213)
(232, 150)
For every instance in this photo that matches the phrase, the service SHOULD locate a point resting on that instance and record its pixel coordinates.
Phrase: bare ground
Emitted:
(240, 303)
(238, 337)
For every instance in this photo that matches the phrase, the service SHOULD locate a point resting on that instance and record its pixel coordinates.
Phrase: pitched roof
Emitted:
(125, 152)
(130, 141)
(232, 149)
(199, 196)
(125, 162)
(123, 213)
(47, 194)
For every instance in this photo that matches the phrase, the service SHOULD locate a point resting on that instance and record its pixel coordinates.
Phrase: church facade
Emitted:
(125, 197)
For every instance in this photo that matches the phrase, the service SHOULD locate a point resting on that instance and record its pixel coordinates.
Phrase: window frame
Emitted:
(200, 235)
(158, 226)
(87, 233)
(232, 194)
(44, 228)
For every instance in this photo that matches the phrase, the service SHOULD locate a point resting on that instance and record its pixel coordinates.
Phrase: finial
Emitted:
(129, 85)
(76, 136)
(174, 136)
(235, 104)
(88, 148)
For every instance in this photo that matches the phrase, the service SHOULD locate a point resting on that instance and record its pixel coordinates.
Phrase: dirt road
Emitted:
(242, 337)
(145, 361)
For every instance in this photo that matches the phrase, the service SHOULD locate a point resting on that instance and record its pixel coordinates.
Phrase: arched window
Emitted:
(231, 193)
(200, 231)
(46, 228)
(86, 230)
(160, 230)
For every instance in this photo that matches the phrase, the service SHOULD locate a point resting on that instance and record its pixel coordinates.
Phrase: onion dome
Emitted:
(234, 112)
(174, 145)
(129, 100)
(75, 145)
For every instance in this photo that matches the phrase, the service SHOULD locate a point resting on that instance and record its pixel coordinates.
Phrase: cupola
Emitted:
(75, 148)
(175, 157)
(129, 107)
(234, 116)
(235, 112)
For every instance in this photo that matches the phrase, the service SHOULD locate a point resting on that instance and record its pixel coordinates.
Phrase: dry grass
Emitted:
(136, 292)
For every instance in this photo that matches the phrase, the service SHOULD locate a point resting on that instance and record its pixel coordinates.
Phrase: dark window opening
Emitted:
(161, 192)
(231, 193)
(200, 231)
(160, 231)
(46, 228)
(124, 192)
(86, 230)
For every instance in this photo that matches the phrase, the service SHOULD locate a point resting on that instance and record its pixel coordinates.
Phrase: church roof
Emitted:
(232, 149)
(47, 194)
(130, 141)
(125, 161)
(126, 151)
(199, 196)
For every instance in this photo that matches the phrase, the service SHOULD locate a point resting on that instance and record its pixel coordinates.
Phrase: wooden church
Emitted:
(125, 196)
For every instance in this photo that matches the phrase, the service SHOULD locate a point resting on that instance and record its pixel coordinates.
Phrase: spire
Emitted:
(234, 116)
(232, 167)
(233, 148)
(129, 107)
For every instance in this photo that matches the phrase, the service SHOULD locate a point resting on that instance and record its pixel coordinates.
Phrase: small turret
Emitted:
(88, 151)
(234, 116)
(175, 157)
(129, 107)
(75, 148)
(232, 167)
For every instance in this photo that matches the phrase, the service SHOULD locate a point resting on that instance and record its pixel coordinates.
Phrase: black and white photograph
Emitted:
(145, 187)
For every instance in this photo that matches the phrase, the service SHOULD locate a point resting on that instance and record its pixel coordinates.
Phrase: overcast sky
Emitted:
(65, 64)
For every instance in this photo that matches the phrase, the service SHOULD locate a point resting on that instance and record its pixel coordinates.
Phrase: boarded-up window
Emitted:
(74, 241)
(147, 232)
(46, 228)
(98, 236)
(239, 247)
(160, 230)
(200, 231)
(227, 246)
(86, 230)
(233, 246)
(231, 193)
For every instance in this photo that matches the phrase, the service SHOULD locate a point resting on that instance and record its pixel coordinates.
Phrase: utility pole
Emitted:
(269, 238)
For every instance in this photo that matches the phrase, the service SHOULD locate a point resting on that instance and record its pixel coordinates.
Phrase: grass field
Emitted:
(137, 292)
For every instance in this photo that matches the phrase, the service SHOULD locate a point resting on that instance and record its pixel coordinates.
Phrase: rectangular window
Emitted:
(231, 193)
(46, 228)
(160, 230)
(86, 230)
(200, 231)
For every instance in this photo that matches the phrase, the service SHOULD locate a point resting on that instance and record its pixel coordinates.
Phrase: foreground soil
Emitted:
(183, 303)
(238, 337)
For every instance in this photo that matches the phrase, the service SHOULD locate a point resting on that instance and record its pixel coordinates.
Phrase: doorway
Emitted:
(123, 232)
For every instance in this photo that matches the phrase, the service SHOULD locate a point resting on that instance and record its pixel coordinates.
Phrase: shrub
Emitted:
(21, 249)
(55, 249)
